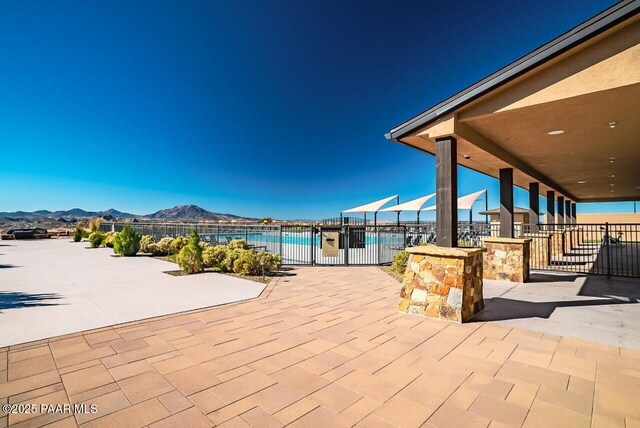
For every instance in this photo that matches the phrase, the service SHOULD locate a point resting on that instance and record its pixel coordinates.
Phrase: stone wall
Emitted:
(507, 259)
(443, 283)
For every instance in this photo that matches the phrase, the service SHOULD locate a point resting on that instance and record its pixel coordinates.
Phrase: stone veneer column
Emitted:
(507, 259)
(556, 244)
(442, 282)
(540, 249)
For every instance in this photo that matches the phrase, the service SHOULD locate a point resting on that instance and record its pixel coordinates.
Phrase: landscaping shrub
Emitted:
(127, 242)
(154, 249)
(400, 262)
(268, 262)
(230, 257)
(178, 244)
(78, 233)
(164, 245)
(145, 241)
(190, 257)
(246, 263)
(96, 238)
(107, 240)
(237, 244)
(212, 256)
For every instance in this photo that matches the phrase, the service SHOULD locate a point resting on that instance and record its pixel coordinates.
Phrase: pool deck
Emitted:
(322, 347)
(55, 286)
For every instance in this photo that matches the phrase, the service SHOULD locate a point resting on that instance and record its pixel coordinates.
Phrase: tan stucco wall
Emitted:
(609, 217)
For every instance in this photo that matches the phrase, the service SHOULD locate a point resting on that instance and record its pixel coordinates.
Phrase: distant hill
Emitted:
(192, 212)
(180, 212)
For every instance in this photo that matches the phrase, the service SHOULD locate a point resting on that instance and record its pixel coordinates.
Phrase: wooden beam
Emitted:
(534, 206)
(506, 203)
(446, 192)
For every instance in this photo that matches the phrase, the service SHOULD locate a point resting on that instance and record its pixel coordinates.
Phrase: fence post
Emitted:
(378, 244)
(280, 241)
(608, 245)
(311, 247)
(246, 234)
(346, 246)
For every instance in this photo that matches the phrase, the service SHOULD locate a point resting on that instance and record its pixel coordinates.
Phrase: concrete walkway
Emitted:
(54, 287)
(594, 308)
(323, 347)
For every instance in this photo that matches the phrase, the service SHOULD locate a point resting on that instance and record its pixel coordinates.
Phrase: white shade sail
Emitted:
(413, 205)
(370, 207)
(464, 202)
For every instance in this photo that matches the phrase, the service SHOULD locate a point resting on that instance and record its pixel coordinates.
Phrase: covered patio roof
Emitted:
(563, 115)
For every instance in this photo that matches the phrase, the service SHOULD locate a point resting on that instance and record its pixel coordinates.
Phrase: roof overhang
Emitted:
(577, 83)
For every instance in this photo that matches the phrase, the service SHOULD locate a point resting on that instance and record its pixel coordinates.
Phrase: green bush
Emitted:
(246, 263)
(154, 249)
(78, 233)
(229, 259)
(190, 257)
(108, 238)
(400, 261)
(212, 256)
(237, 244)
(96, 238)
(127, 242)
(268, 262)
(178, 244)
(145, 241)
(164, 245)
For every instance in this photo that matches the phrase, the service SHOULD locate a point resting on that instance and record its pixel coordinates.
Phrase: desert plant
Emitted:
(164, 245)
(94, 224)
(231, 255)
(145, 241)
(246, 263)
(127, 242)
(178, 244)
(268, 262)
(237, 244)
(190, 257)
(108, 238)
(212, 256)
(96, 238)
(400, 262)
(78, 233)
(154, 249)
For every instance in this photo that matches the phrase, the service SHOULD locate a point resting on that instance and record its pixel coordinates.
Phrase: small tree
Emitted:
(78, 233)
(145, 242)
(127, 242)
(190, 257)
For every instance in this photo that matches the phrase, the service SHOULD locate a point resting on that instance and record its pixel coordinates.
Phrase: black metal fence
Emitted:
(605, 249)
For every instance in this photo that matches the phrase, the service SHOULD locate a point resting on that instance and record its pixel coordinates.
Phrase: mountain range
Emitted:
(179, 212)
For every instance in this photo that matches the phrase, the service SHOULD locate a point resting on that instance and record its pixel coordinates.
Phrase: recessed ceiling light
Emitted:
(612, 190)
(556, 132)
(467, 157)
(611, 184)
(581, 182)
(612, 158)
(612, 125)
(612, 176)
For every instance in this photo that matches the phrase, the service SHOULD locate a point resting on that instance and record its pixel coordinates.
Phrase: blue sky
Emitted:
(258, 108)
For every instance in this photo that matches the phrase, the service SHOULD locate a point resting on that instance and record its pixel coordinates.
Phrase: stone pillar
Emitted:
(507, 259)
(540, 249)
(443, 282)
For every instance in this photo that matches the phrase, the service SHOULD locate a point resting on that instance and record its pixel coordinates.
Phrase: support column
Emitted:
(551, 210)
(506, 203)
(534, 206)
(560, 217)
(447, 192)
(567, 212)
(574, 216)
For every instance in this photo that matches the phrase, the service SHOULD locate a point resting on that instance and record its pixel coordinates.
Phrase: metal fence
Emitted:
(605, 249)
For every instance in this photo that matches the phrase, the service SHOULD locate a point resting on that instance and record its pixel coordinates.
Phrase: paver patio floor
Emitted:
(323, 347)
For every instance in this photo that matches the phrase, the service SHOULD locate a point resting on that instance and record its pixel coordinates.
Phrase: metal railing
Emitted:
(605, 249)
